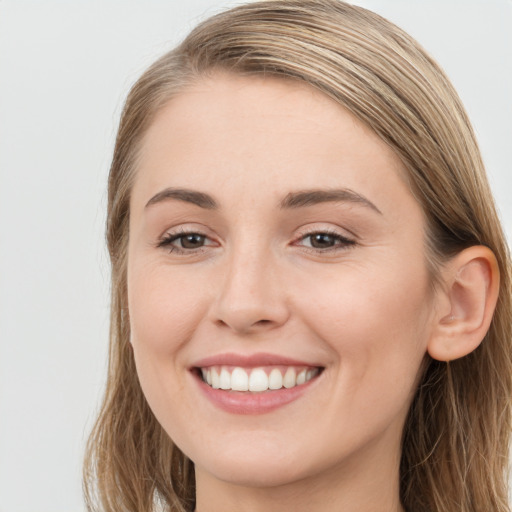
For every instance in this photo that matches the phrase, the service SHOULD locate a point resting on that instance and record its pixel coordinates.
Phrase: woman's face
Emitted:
(274, 243)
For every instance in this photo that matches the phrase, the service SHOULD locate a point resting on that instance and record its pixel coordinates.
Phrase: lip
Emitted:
(251, 361)
(245, 402)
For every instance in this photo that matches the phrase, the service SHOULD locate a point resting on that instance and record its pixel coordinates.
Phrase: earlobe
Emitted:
(471, 284)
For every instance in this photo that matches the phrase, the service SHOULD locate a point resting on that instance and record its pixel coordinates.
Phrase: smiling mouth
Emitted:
(256, 380)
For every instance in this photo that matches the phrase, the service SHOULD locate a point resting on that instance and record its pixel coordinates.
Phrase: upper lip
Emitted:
(250, 361)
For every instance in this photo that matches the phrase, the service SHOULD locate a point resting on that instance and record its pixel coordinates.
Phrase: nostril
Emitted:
(246, 317)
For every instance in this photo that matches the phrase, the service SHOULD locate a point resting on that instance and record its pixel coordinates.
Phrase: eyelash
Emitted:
(342, 242)
(168, 239)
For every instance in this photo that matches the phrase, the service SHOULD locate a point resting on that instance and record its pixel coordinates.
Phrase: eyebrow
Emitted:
(298, 199)
(182, 194)
(304, 198)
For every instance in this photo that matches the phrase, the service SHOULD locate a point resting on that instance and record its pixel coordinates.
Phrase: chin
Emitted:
(261, 474)
(258, 467)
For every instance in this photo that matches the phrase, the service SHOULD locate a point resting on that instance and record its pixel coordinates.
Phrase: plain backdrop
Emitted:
(65, 68)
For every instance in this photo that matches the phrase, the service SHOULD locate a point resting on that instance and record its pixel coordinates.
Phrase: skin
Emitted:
(364, 311)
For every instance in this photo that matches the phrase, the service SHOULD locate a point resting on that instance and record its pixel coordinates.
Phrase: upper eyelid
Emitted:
(336, 231)
(185, 230)
(303, 232)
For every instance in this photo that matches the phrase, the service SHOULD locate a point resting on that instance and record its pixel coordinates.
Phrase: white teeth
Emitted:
(215, 379)
(239, 380)
(275, 379)
(289, 379)
(225, 379)
(257, 379)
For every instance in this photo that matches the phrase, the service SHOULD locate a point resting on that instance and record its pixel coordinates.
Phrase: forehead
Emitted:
(254, 105)
(261, 135)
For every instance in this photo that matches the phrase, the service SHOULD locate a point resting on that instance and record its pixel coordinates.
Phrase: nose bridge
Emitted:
(250, 297)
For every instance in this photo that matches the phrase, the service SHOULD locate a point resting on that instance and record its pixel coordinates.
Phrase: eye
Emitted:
(324, 241)
(184, 242)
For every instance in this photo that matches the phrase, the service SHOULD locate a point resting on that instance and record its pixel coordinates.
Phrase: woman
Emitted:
(311, 288)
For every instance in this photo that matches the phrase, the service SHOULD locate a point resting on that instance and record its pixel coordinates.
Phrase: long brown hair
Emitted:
(456, 437)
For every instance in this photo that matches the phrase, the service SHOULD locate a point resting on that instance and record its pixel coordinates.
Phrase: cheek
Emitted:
(389, 300)
(164, 313)
(376, 323)
(164, 308)
(375, 328)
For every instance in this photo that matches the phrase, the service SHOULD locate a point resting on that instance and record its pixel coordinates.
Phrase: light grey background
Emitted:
(65, 68)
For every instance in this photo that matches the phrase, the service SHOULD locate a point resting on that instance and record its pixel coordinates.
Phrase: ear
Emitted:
(468, 298)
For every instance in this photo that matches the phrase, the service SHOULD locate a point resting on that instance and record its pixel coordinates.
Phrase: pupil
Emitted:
(321, 240)
(192, 241)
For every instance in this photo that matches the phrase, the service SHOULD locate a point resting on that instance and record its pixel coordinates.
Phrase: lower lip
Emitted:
(245, 402)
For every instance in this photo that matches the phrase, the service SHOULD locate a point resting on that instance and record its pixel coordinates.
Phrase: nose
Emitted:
(251, 297)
